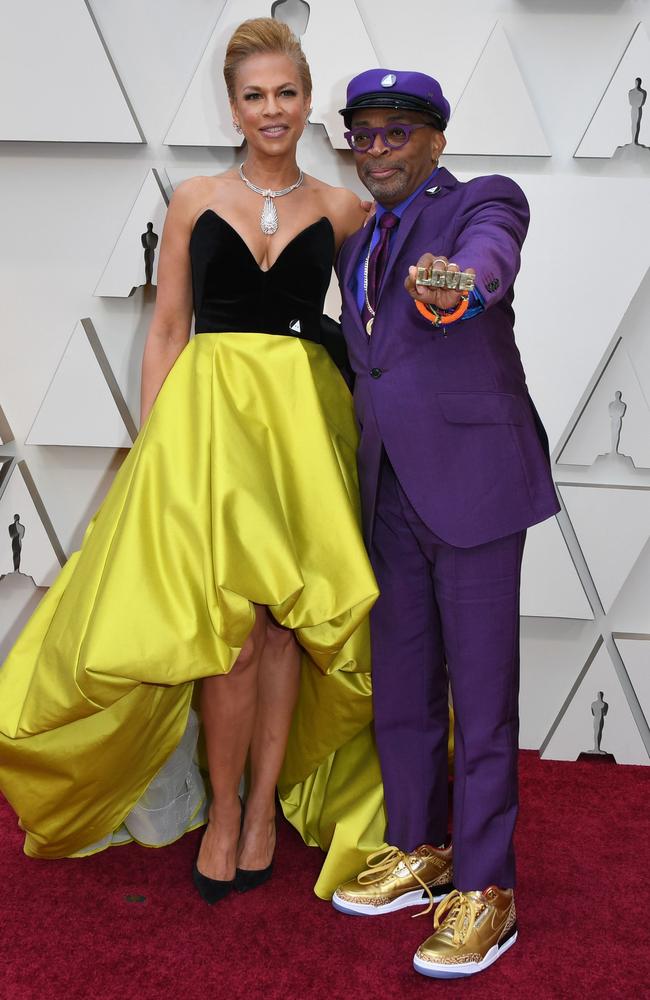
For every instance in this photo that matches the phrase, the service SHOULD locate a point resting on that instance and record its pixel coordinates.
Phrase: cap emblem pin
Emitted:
(389, 80)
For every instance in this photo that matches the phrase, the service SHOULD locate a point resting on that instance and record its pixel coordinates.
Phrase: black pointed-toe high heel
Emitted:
(211, 890)
(251, 878)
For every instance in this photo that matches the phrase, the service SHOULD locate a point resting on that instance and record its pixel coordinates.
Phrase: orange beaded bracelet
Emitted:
(438, 319)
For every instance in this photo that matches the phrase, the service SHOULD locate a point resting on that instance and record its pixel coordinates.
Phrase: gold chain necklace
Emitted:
(370, 322)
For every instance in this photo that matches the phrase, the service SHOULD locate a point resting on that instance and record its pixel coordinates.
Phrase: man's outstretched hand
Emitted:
(442, 298)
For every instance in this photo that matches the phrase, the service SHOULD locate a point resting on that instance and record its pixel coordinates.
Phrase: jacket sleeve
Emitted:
(491, 228)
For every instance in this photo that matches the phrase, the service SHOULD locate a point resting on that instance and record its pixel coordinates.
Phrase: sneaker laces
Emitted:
(458, 911)
(381, 863)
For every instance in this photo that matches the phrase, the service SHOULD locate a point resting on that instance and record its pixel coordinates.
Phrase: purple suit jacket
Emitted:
(452, 411)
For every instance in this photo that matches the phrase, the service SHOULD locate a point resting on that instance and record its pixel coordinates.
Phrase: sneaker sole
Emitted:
(443, 971)
(414, 898)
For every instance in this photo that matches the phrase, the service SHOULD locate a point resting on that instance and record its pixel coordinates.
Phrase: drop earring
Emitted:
(237, 127)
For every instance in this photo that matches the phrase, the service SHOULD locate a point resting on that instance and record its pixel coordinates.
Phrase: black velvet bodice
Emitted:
(232, 292)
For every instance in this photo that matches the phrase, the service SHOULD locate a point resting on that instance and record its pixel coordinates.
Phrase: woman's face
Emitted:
(269, 102)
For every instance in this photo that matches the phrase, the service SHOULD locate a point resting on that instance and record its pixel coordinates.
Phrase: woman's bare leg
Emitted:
(278, 680)
(228, 709)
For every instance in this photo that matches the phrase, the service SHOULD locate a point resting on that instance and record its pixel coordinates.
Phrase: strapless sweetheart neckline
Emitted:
(263, 270)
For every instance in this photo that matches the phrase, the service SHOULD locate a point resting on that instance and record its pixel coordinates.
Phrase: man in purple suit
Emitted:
(453, 464)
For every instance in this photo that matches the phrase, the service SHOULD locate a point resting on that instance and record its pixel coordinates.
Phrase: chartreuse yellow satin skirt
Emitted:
(241, 489)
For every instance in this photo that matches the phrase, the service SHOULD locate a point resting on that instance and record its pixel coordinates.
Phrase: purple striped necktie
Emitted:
(376, 267)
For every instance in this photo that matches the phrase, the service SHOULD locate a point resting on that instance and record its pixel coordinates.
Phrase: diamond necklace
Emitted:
(269, 216)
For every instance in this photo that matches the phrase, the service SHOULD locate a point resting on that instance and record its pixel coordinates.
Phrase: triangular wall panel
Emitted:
(612, 525)
(594, 434)
(40, 554)
(126, 269)
(80, 407)
(476, 127)
(575, 730)
(204, 116)
(550, 585)
(611, 126)
(57, 79)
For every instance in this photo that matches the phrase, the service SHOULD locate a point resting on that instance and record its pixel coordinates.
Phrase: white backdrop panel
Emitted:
(495, 115)
(78, 408)
(56, 79)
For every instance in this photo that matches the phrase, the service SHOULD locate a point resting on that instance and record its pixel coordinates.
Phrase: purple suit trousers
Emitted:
(446, 616)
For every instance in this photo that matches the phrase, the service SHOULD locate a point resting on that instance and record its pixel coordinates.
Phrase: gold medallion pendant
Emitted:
(369, 325)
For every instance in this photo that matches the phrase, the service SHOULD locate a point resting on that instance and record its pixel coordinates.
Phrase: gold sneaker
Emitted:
(471, 930)
(394, 880)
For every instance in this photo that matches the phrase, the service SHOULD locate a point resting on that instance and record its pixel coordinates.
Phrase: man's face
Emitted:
(391, 175)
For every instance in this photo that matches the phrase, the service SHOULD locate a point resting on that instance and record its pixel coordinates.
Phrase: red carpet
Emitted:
(68, 929)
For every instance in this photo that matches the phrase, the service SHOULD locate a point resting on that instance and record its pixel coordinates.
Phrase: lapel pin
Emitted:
(433, 190)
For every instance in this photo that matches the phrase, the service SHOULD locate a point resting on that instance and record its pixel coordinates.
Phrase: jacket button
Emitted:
(376, 372)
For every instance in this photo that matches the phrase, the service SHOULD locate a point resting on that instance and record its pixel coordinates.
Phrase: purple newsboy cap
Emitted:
(393, 88)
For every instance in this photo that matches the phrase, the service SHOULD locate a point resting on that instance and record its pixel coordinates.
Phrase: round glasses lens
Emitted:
(396, 136)
(361, 140)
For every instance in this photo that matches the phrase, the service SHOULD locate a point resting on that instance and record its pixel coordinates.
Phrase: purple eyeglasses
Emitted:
(394, 136)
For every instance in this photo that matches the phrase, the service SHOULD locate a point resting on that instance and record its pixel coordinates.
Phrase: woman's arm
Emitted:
(172, 318)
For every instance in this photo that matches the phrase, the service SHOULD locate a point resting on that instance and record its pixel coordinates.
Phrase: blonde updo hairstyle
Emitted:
(262, 35)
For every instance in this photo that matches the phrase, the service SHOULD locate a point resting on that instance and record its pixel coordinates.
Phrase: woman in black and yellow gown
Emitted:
(227, 551)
